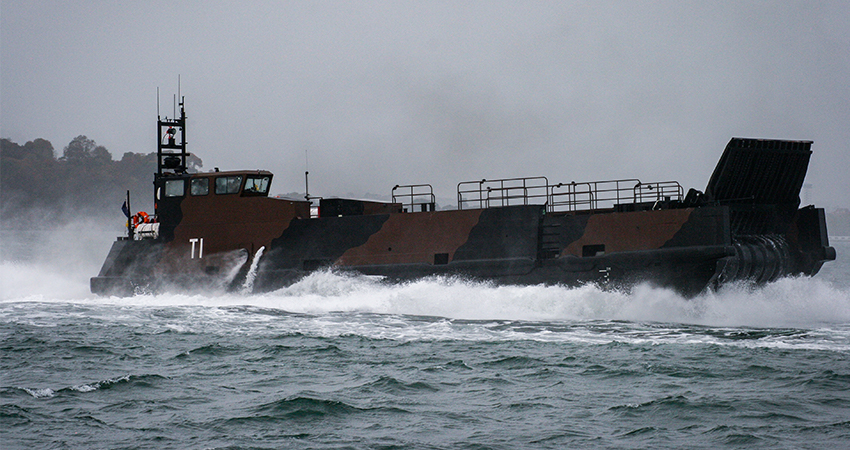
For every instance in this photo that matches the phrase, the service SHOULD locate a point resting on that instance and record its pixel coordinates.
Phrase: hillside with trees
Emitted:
(36, 186)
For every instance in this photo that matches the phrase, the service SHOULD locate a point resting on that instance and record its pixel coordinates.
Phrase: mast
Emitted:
(170, 153)
(171, 150)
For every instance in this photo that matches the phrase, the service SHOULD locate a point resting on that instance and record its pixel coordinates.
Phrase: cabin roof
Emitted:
(232, 172)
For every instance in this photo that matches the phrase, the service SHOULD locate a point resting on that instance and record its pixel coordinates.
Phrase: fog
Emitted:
(372, 94)
(54, 260)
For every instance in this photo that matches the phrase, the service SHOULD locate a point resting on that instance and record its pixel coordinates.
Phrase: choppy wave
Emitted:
(134, 381)
(339, 361)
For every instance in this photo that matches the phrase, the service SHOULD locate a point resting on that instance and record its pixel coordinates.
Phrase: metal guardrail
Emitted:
(503, 192)
(564, 197)
(591, 196)
(658, 191)
(412, 195)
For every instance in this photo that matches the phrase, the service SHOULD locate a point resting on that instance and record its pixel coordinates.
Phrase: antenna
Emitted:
(306, 175)
(157, 103)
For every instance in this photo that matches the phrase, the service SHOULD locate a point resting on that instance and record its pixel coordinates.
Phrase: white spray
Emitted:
(248, 286)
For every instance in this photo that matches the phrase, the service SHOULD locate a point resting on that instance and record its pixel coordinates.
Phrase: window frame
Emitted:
(196, 182)
(227, 190)
(170, 193)
(264, 181)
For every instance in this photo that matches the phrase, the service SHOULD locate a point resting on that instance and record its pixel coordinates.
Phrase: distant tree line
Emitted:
(35, 185)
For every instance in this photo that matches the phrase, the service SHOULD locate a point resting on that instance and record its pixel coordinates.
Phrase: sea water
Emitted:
(338, 362)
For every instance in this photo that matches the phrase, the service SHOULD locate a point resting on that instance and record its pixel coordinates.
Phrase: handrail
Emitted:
(592, 196)
(503, 192)
(564, 197)
(414, 196)
(658, 191)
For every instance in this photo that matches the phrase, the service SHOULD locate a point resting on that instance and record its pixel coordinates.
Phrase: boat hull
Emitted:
(689, 250)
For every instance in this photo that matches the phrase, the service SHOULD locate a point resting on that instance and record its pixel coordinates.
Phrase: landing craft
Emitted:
(222, 229)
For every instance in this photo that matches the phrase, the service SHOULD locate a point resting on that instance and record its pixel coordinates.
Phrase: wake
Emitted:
(789, 302)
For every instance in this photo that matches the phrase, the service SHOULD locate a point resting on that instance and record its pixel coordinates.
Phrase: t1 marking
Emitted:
(200, 242)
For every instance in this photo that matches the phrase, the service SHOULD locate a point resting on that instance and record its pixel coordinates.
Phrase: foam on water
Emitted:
(799, 302)
(62, 276)
(788, 302)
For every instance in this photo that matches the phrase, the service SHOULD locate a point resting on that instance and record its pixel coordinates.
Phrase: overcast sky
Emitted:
(375, 94)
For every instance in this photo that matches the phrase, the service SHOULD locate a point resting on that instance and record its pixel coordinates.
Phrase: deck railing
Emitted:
(415, 197)
(502, 192)
(658, 191)
(564, 197)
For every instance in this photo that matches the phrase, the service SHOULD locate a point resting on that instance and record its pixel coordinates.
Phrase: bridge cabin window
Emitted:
(255, 185)
(228, 185)
(175, 188)
(199, 186)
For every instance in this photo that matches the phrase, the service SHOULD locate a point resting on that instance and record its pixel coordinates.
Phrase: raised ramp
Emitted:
(760, 171)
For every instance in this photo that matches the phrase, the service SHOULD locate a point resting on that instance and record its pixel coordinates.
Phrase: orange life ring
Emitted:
(140, 217)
